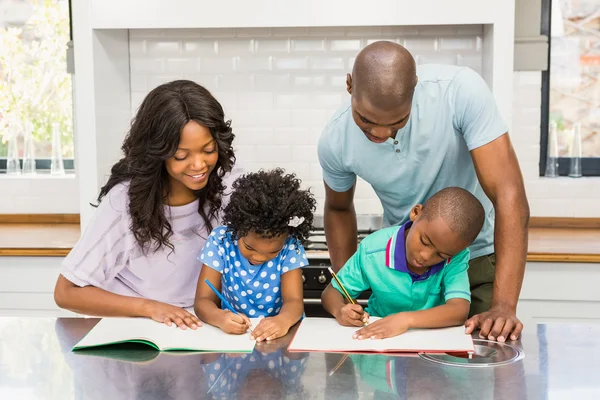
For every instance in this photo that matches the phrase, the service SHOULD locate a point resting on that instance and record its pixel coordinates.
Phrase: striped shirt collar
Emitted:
(395, 256)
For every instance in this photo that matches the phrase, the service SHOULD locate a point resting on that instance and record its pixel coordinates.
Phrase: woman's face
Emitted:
(194, 160)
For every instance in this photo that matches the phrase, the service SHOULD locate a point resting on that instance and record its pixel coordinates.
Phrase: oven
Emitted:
(316, 276)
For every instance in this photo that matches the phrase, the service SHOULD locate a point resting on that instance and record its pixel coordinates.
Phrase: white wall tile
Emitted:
(327, 63)
(255, 100)
(164, 48)
(421, 44)
(182, 65)
(293, 100)
(274, 81)
(306, 153)
(351, 45)
(253, 136)
(195, 48)
(258, 118)
(255, 64)
(310, 82)
(217, 65)
(290, 63)
(235, 47)
(272, 46)
(308, 45)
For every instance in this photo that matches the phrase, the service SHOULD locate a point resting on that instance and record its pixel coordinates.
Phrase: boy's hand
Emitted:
(269, 328)
(236, 324)
(169, 315)
(352, 315)
(387, 327)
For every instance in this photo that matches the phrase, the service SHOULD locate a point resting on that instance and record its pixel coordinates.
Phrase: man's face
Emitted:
(379, 125)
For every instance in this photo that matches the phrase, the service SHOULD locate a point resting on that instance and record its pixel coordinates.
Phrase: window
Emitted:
(571, 86)
(35, 87)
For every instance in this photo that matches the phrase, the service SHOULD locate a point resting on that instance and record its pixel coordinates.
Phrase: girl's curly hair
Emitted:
(153, 138)
(264, 202)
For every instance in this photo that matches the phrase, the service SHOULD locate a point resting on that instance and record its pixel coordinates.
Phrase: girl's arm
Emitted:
(90, 300)
(207, 305)
(291, 309)
(292, 297)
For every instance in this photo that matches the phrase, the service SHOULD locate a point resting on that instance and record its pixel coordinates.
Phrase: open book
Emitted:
(325, 334)
(165, 338)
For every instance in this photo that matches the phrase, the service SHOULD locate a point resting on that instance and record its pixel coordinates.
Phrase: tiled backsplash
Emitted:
(279, 86)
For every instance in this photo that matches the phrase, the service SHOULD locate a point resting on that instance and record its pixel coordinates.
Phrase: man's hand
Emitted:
(499, 323)
(387, 327)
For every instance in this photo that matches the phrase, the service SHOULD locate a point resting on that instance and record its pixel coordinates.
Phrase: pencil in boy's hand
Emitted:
(345, 293)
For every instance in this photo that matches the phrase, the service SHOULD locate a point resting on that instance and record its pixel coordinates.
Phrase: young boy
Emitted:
(417, 272)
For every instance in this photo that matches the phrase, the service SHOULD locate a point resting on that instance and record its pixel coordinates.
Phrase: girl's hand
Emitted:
(236, 324)
(269, 328)
(168, 314)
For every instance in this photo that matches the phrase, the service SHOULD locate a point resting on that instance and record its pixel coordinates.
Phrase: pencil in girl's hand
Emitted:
(346, 295)
(225, 303)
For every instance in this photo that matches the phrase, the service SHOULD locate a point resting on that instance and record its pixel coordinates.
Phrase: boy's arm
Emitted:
(354, 281)
(457, 295)
(453, 313)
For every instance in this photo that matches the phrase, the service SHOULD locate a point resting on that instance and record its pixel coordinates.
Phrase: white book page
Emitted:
(116, 330)
(205, 338)
(325, 334)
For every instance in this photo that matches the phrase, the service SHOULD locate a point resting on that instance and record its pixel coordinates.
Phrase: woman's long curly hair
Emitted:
(153, 138)
(265, 202)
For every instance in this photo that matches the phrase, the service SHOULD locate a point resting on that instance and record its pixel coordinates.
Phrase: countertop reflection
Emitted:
(36, 362)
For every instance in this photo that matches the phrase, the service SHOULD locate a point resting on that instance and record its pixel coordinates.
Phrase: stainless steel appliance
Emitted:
(316, 277)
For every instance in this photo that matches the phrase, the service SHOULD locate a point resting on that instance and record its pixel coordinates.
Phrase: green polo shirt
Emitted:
(395, 290)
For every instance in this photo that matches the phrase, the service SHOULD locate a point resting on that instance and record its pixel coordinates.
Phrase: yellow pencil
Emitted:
(339, 364)
(346, 295)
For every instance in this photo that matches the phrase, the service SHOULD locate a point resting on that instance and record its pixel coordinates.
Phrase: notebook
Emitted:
(162, 337)
(325, 334)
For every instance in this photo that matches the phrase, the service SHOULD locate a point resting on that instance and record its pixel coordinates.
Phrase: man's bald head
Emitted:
(384, 74)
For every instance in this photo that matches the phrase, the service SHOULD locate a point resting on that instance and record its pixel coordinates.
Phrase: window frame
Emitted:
(590, 166)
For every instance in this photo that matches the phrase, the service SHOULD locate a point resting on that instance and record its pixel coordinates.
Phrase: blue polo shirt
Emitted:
(379, 264)
(453, 112)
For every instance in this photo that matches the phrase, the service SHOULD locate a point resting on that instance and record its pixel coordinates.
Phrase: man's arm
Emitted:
(340, 225)
(500, 177)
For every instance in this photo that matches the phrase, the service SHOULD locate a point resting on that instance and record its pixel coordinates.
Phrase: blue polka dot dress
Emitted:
(227, 374)
(254, 290)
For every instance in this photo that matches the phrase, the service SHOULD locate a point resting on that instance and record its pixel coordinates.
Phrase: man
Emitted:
(410, 132)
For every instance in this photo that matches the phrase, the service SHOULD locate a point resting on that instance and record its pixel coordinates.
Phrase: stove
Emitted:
(315, 276)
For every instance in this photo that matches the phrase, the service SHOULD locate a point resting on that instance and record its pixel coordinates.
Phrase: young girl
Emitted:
(137, 257)
(254, 259)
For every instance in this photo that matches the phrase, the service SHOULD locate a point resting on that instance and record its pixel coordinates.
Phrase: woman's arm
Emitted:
(90, 300)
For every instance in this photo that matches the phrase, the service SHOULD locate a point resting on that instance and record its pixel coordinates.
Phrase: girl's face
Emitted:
(194, 160)
(258, 249)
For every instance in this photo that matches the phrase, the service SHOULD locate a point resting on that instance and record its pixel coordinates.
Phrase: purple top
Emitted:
(107, 255)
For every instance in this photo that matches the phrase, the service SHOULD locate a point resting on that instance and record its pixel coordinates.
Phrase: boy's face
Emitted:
(430, 242)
